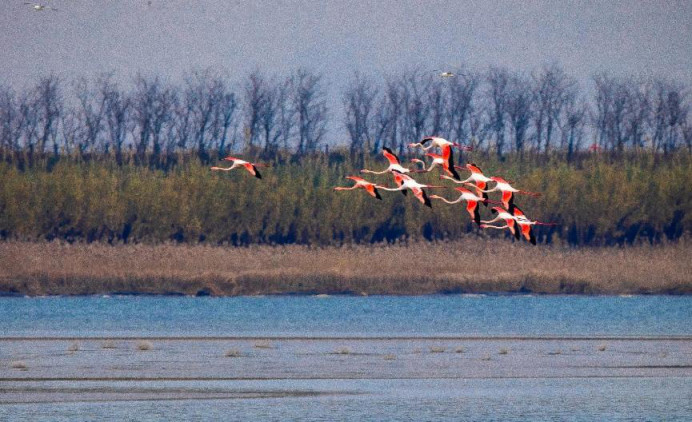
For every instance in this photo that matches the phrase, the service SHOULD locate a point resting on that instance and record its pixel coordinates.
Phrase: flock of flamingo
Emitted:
(514, 219)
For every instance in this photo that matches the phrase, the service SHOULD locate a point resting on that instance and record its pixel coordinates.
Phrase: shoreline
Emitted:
(472, 266)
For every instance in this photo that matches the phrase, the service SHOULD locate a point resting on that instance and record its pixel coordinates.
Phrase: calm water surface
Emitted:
(423, 377)
(348, 316)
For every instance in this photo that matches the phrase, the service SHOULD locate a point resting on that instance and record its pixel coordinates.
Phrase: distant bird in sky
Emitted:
(446, 161)
(394, 163)
(38, 7)
(237, 163)
(471, 202)
(407, 182)
(436, 141)
(369, 187)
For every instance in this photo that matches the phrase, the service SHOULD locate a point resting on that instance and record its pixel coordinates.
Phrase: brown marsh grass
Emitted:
(144, 345)
(467, 266)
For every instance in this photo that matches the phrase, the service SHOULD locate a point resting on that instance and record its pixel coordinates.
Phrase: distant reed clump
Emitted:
(144, 345)
(55, 268)
(19, 365)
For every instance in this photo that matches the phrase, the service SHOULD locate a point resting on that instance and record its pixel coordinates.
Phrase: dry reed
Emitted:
(419, 268)
(144, 345)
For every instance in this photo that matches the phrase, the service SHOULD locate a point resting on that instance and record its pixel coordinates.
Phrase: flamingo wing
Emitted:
(422, 196)
(472, 208)
(390, 156)
(253, 170)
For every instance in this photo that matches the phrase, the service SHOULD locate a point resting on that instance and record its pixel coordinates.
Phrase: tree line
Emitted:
(497, 110)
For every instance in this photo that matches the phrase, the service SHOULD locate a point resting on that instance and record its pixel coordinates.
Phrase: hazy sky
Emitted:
(170, 37)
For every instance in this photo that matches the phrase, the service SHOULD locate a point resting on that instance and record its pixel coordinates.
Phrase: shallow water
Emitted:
(346, 358)
(452, 315)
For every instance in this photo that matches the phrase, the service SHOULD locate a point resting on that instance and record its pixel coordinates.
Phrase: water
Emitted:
(348, 316)
(510, 358)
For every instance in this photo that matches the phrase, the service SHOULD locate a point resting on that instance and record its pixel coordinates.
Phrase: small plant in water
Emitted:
(556, 352)
(389, 357)
(19, 364)
(264, 344)
(144, 345)
(602, 348)
(503, 351)
(485, 357)
(437, 349)
(459, 350)
(343, 351)
(108, 344)
(74, 347)
(233, 353)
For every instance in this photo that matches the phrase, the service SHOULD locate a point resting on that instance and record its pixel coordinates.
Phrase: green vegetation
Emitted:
(597, 200)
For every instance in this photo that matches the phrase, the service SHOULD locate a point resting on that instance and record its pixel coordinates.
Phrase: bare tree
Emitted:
(91, 110)
(117, 115)
(576, 111)
(310, 104)
(358, 100)
(498, 81)
(255, 92)
(415, 110)
(47, 100)
(460, 106)
(152, 105)
(551, 87)
(519, 107)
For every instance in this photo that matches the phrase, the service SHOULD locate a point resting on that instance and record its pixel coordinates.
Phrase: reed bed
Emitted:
(466, 266)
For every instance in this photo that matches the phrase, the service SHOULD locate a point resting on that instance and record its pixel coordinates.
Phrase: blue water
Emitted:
(348, 316)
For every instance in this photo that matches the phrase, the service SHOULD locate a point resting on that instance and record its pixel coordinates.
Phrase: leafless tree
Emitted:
(359, 101)
(498, 81)
(414, 88)
(91, 110)
(117, 116)
(551, 87)
(152, 105)
(47, 100)
(462, 90)
(311, 109)
(573, 130)
(519, 109)
(255, 92)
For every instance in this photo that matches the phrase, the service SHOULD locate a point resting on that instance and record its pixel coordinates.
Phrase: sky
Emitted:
(335, 38)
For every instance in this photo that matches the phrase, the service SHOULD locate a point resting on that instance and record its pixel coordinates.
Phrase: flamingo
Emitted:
(526, 225)
(371, 188)
(436, 141)
(502, 214)
(508, 192)
(407, 182)
(237, 162)
(477, 177)
(446, 160)
(471, 202)
(394, 163)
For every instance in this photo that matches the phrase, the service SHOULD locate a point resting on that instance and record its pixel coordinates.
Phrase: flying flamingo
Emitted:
(436, 141)
(446, 160)
(394, 163)
(477, 177)
(502, 214)
(407, 182)
(237, 162)
(526, 225)
(507, 192)
(471, 202)
(371, 188)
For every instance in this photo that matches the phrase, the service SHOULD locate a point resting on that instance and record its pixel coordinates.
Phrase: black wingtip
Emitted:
(257, 174)
(404, 192)
(377, 195)
(477, 215)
